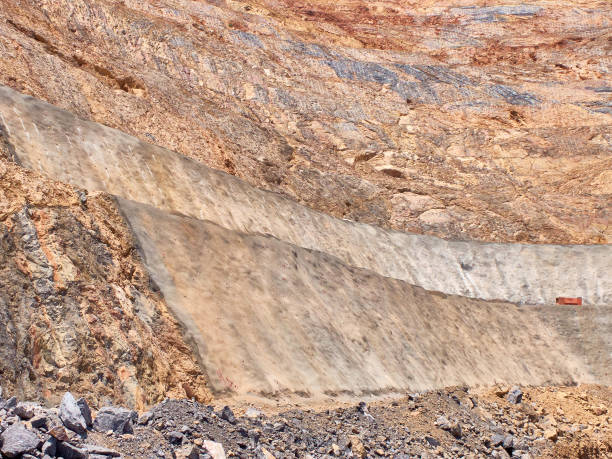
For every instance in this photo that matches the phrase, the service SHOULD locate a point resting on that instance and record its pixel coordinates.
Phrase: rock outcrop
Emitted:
(485, 120)
(78, 310)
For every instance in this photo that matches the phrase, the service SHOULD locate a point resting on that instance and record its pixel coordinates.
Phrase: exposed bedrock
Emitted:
(484, 119)
(78, 310)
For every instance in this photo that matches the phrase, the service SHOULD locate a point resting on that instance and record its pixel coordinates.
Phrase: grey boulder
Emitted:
(70, 414)
(119, 420)
(515, 396)
(17, 440)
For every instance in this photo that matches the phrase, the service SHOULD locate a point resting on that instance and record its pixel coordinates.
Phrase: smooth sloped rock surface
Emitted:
(312, 324)
(98, 158)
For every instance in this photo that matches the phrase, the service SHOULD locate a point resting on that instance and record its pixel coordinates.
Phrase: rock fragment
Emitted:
(214, 449)
(515, 396)
(357, 446)
(85, 412)
(17, 440)
(115, 419)
(228, 415)
(69, 451)
(70, 414)
(26, 410)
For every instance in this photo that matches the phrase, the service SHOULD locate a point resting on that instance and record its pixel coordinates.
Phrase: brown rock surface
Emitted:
(478, 120)
(78, 311)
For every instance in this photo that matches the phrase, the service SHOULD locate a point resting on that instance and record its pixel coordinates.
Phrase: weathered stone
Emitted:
(356, 446)
(17, 440)
(228, 415)
(515, 395)
(551, 434)
(145, 417)
(215, 449)
(175, 437)
(187, 452)
(70, 414)
(85, 412)
(101, 450)
(10, 403)
(118, 420)
(26, 410)
(69, 451)
(40, 421)
(497, 439)
(49, 447)
(252, 413)
(58, 432)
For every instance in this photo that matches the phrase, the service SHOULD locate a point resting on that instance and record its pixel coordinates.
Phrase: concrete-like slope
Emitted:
(273, 318)
(95, 157)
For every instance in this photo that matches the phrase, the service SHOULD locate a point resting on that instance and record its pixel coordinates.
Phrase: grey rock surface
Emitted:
(118, 420)
(17, 440)
(70, 414)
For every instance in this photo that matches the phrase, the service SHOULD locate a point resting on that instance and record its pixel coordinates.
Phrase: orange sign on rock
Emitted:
(574, 301)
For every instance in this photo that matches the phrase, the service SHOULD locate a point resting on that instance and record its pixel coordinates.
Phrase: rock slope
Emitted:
(485, 120)
(95, 157)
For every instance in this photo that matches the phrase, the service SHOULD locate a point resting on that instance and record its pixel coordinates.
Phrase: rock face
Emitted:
(77, 308)
(484, 120)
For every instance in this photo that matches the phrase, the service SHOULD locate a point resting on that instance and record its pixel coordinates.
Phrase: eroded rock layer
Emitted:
(476, 119)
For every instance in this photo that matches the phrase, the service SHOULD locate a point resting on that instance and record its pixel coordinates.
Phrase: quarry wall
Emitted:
(95, 157)
(270, 318)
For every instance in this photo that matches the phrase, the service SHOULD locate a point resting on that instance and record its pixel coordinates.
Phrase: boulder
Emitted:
(26, 410)
(119, 420)
(69, 451)
(17, 440)
(49, 447)
(71, 416)
(10, 403)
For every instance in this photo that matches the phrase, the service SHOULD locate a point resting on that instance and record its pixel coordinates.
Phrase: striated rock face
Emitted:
(461, 119)
(77, 309)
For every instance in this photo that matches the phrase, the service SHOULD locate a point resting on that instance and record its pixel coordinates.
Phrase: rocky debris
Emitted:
(115, 419)
(17, 440)
(70, 413)
(548, 423)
